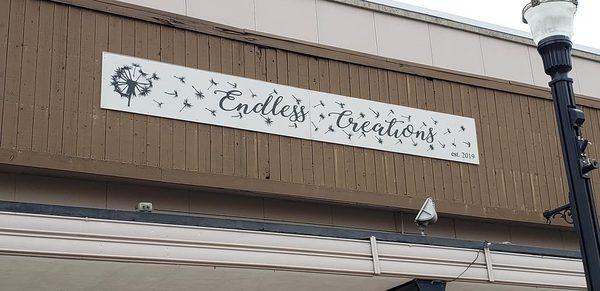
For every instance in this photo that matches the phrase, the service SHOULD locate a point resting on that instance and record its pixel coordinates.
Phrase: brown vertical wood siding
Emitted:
(50, 65)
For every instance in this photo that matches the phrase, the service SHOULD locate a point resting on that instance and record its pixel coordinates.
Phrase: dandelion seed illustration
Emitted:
(159, 104)
(408, 117)
(375, 112)
(454, 143)
(198, 93)
(467, 143)
(129, 82)
(154, 76)
(348, 134)
(423, 124)
(342, 105)
(268, 120)
(212, 83)
(435, 122)
(390, 112)
(399, 141)
(174, 93)
(295, 125)
(321, 117)
(321, 104)
(330, 129)
(443, 145)
(447, 131)
(186, 104)
(213, 112)
(414, 142)
(252, 93)
(298, 100)
(361, 115)
(362, 134)
(462, 128)
(315, 126)
(379, 140)
(181, 79)
(431, 148)
(135, 65)
(233, 85)
(239, 115)
(274, 92)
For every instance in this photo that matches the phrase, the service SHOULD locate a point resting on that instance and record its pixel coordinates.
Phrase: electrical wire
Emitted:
(470, 264)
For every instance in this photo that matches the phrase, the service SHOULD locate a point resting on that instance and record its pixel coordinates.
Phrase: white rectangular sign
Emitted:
(159, 89)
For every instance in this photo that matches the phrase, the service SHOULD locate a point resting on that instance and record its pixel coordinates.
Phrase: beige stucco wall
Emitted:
(125, 196)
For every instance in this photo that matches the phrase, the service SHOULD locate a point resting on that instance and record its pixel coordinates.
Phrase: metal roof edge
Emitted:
(461, 23)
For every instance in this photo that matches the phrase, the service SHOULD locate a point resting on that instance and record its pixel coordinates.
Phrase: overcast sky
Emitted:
(508, 13)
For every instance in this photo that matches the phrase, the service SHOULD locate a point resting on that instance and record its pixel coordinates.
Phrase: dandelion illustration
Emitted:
(212, 83)
(315, 126)
(298, 100)
(414, 142)
(234, 85)
(423, 124)
(174, 93)
(295, 125)
(390, 112)
(198, 93)
(159, 104)
(181, 79)
(467, 143)
(252, 93)
(213, 112)
(186, 104)
(361, 115)
(268, 120)
(129, 82)
(399, 141)
(321, 117)
(379, 140)
(239, 115)
(342, 105)
(447, 131)
(435, 122)
(330, 129)
(349, 135)
(321, 104)
(408, 117)
(431, 148)
(375, 112)
(462, 128)
(443, 145)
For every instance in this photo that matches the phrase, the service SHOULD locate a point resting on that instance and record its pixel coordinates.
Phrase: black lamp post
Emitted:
(551, 23)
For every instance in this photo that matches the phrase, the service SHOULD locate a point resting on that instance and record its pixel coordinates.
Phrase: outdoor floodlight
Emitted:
(426, 215)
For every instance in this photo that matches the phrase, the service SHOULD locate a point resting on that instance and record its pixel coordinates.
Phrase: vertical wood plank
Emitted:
(216, 132)
(191, 128)
(28, 68)
(427, 102)
(531, 200)
(417, 100)
(460, 173)
(86, 86)
(499, 194)
(406, 89)
(522, 181)
(57, 79)
(296, 143)
(42, 76)
(113, 117)
(328, 159)
(541, 194)
(350, 172)
(98, 138)
(274, 154)
(251, 137)
(485, 176)
(4, 28)
(140, 122)
(389, 171)
(12, 87)
(166, 125)
(436, 102)
(284, 142)
(307, 161)
(204, 154)
(358, 83)
(153, 126)
(317, 147)
(397, 159)
(338, 150)
(468, 97)
(179, 138)
(69, 142)
(505, 140)
(239, 135)
(370, 91)
(228, 133)
(126, 121)
(443, 103)
(262, 143)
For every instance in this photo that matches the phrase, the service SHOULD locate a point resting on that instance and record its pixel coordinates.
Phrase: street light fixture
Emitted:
(551, 23)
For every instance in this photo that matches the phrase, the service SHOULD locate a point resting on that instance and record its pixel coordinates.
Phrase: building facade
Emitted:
(238, 208)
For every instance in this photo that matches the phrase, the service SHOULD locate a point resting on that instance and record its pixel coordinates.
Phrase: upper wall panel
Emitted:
(330, 22)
